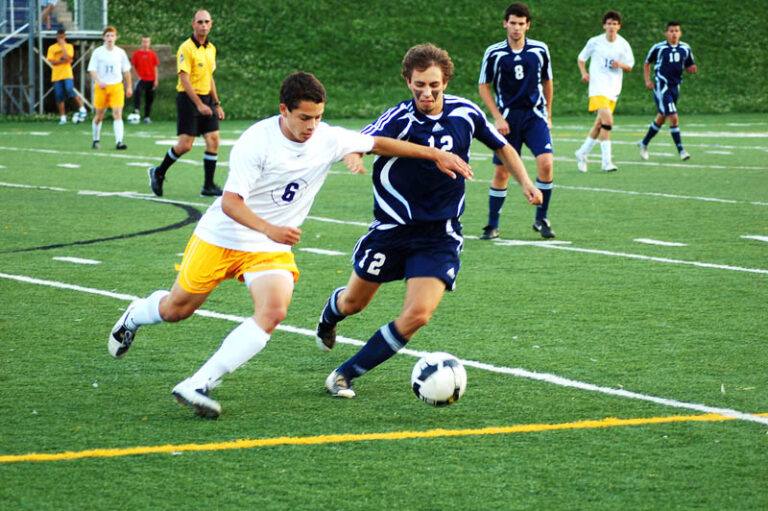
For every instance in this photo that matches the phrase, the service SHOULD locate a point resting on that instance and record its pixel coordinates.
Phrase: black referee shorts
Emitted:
(191, 122)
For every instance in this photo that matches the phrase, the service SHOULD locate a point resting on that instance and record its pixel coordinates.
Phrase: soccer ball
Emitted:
(439, 379)
(134, 118)
(77, 118)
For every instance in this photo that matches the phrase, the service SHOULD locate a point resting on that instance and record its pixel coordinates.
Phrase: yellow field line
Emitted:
(609, 422)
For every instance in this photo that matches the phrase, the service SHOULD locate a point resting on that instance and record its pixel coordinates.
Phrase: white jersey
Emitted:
(109, 65)
(278, 179)
(603, 79)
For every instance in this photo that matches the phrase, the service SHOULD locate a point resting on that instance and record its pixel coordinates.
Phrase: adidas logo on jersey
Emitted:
(548, 146)
(517, 58)
(451, 273)
(437, 128)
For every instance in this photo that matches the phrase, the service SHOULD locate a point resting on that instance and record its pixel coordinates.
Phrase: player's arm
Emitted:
(128, 83)
(548, 89)
(216, 102)
(484, 89)
(235, 208)
(647, 75)
(692, 69)
(583, 70)
(447, 163)
(514, 165)
(96, 79)
(186, 84)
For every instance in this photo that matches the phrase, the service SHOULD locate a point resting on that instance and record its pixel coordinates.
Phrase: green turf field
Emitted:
(621, 366)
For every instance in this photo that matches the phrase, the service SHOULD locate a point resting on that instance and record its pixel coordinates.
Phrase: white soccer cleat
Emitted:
(643, 150)
(189, 394)
(121, 337)
(684, 155)
(339, 385)
(610, 167)
(581, 161)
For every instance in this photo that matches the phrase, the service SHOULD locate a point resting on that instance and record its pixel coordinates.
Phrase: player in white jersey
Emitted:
(108, 66)
(276, 168)
(609, 55)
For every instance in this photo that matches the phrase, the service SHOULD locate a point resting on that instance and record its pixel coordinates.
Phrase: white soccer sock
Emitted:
(82, 110)
(119, 130)
(96, 128)
(587, 146)
(147, 310)
(605, 148)
(64, 118)
(238, 347)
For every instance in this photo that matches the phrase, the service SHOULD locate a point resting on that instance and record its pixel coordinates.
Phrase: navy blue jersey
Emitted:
(516, 76)
(670, 61)
(410, 191)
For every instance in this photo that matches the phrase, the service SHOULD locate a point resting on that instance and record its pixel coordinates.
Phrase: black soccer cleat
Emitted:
(95, 145)
(489, 233)
(155, 181)
(325, 336)
(210, 191)
(544, 228)
(120, 146)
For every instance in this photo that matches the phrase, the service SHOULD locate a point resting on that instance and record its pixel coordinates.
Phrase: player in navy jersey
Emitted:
(416, 234)
(670, 58)
(518, 72)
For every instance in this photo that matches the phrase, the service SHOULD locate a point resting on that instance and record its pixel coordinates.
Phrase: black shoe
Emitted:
(325, 336)
(120, 146)
(210, 191)
(155, 181)
(543, 227)
(96, 144)
(489, 233)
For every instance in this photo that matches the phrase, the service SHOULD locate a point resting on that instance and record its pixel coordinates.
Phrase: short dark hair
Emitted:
(673, 24)
(612, 15)
(61, 31)
(300, 86)
(426, 55)
(519, 10)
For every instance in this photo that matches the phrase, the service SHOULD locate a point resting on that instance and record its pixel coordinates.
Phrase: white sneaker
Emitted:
(339, 385)
(63, 120)
(121, 337)
(581, 161)
(684, 155)
(610, 167)
(643, 150)
(189, 394)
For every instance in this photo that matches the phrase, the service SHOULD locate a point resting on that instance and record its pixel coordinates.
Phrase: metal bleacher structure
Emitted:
(25, 85)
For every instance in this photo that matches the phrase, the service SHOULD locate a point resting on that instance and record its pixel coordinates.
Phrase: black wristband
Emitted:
(218, 103)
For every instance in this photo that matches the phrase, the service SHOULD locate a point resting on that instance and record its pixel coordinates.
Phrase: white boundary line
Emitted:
(522, 373)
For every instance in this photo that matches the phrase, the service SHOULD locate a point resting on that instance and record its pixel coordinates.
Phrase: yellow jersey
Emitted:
(199, 62)
(60, 71)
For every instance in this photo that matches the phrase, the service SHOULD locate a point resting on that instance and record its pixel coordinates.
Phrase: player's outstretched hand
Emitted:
(450, 164)
(354, 162)
(281, 234)
(533, 194)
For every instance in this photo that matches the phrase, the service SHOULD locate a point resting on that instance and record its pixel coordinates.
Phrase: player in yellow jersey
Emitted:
(60, 56)
(197, 104)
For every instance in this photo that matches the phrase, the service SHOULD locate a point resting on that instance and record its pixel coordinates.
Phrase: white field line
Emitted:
(649, 241)
(638, 256)
(758, 238)
(159, 157)
(521, 373)
(76, 260)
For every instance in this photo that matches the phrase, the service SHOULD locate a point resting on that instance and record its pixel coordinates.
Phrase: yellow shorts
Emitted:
(111, 97)
(205, 266)
(598, 102)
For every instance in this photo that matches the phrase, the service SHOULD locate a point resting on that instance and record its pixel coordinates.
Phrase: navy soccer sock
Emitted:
(652, 131)
(675, 132)
(546, 193)
(170, 159)
(496, 199)
(331, 314)
(209, 164)
(380, 347)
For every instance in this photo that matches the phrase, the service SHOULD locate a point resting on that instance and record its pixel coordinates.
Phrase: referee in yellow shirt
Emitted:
(197, 104)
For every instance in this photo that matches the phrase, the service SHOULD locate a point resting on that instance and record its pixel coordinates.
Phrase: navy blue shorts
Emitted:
(666, 98)
(525, 127)
(64, 89)
(407, 251)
